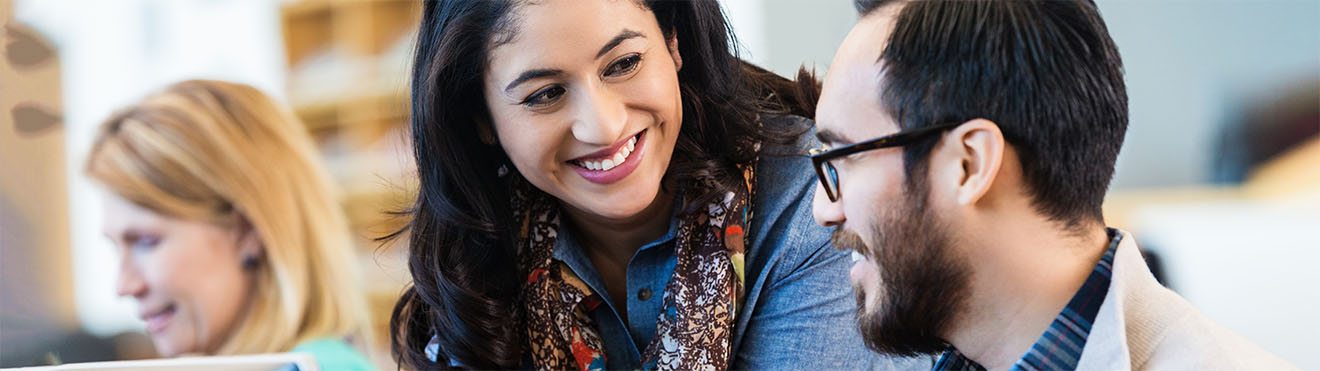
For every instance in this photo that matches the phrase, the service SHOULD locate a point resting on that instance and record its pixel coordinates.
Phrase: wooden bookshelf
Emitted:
(348, 82)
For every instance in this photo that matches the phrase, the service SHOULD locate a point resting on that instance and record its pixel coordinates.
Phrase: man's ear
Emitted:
(978, 148)
(672, 42)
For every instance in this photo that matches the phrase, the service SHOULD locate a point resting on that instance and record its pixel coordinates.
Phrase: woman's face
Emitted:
(186, 276)
(585, 102)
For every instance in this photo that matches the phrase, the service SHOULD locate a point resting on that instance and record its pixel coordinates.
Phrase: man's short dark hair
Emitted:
(1045, 71)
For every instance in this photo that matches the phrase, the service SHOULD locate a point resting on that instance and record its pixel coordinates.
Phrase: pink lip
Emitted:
(604, 153)
(618, 172)
(158, 320)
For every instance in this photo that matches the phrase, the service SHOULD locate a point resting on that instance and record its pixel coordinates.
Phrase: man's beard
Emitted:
(923, 285)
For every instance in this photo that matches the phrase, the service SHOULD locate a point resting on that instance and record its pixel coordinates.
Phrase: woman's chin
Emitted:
(175, 345)
(623, 214)
(617, 207)
(622, 210)
(166, 348)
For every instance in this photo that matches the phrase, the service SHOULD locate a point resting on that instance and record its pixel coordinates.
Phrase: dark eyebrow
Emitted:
(539, 73)
(829, 137)
(532, 74)
(624, 35)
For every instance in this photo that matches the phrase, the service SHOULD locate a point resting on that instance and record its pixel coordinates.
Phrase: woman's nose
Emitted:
(130, 282)
(601, 117)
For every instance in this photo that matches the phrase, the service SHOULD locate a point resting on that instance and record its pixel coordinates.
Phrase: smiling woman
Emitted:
(230, 239)
(604, 184)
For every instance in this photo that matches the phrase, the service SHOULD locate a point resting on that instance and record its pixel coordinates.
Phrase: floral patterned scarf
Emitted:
(694, 329)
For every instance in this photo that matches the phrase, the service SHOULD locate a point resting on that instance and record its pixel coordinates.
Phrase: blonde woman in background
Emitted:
(232, 241)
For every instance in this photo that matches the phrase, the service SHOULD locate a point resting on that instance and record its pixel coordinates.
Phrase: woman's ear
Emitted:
(485, 131)
(251, 249)
(672, 42)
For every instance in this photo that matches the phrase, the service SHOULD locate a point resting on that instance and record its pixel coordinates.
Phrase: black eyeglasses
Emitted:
(829, 176)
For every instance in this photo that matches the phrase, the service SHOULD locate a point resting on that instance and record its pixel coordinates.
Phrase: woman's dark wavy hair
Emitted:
(463, 260)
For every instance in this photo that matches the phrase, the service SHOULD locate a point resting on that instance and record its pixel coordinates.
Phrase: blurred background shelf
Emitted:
(347, 66)
(347, 81)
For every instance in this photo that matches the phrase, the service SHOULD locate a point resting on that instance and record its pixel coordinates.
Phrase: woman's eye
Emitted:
(544, 96)
(143, 242)
(624, 65)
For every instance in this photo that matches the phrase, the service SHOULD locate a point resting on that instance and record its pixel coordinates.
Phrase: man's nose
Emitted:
(827, 213)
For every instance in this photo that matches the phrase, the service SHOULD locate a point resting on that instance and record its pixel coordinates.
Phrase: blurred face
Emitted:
(587, 111)
(908, 280)
(186, 276)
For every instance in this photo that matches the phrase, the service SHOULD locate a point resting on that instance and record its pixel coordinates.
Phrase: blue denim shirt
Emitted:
(799, 308)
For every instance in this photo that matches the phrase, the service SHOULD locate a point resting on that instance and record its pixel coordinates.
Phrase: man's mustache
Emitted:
(846, 240)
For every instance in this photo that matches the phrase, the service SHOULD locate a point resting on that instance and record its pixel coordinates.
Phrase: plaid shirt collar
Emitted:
(1060, 347)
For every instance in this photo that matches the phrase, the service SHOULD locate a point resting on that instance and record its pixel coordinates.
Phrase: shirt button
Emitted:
(644, 294)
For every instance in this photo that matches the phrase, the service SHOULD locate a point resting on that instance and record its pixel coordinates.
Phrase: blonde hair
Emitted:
(207, 150)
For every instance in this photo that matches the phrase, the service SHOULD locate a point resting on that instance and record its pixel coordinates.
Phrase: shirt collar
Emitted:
(569, 251)
(1060, 347)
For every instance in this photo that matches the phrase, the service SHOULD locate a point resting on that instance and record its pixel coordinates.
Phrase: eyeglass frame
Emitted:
(820, 157)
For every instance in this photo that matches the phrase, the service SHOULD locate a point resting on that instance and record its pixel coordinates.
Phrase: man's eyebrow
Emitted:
(532, 74)
(829, 137)
(623, 35)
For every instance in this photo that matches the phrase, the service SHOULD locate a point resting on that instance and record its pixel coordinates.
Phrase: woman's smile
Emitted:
(158, 320)
(612, 164)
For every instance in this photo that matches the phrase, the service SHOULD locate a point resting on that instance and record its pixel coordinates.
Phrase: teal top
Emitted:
(334, 354)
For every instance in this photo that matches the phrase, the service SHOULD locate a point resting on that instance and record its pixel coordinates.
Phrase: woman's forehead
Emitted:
(558, 27)
(551, 34)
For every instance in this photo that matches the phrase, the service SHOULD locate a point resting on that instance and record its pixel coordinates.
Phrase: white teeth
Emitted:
(610, 163)
(857, 256)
